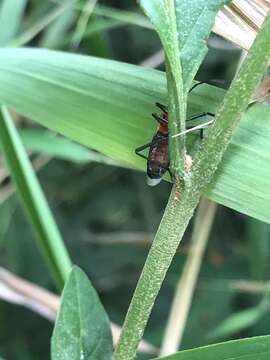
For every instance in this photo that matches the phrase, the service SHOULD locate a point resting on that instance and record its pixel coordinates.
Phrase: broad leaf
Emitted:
(82, 329)
(257, 348)
(106, 105)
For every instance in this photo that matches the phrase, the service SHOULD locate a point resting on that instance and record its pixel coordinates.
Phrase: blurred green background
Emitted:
(108, 215)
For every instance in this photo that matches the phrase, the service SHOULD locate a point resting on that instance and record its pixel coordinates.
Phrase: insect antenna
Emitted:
(198, 127)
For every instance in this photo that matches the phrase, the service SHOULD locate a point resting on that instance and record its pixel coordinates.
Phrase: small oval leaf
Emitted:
(82, 328)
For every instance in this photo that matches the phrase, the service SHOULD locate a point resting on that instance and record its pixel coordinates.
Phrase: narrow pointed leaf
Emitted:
(34, 202)
(82, 328)
(238, 321)
(179, 23)
(256, 348)
(11, 13)
(45, 142)
(107, 106)
(40, 141)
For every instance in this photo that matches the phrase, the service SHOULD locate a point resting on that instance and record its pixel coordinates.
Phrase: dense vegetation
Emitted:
(80, 116)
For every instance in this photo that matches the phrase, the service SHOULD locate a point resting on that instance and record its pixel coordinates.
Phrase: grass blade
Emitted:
(106, 105)
(11, 13)
(245, 349)
(54, 35)
(34, 202)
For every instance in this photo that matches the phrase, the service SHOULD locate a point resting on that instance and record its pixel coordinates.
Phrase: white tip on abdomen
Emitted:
(153, 182)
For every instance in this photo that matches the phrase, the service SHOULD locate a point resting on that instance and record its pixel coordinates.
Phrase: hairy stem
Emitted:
(174, 222)
(177, 123)
(186, 285)
(184, 199)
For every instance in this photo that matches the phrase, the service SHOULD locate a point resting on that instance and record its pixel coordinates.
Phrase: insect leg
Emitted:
(159, 119)
(141, 148)
(200, 115)
(162, 107)
(194, 128)
(195, 85)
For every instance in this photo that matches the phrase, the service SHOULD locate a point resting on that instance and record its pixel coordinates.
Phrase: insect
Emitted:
(158, 161)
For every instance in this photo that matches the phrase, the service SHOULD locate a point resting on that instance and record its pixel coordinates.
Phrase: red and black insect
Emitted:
(158, 161)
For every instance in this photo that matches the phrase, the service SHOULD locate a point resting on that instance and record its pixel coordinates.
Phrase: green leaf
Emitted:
(106, 105)
(54, 35)
(238, 322)
(82, 329)
(128, 17)
(45, 142)
(6, 216)
(256, 348)
(257, 235)
(11, 13)
(40, 24)
(183, 28)
(34, 202)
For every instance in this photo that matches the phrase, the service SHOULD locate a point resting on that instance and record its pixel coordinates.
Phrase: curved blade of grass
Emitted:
(240, 320)
(106, 105)
(55, 34)
(82, 328)
(11, 13)
(97, 26)
(41, 24)
(34, 202)
(82, 22)
(245, 349)
(120, 15)
(45, 142)
(127, 17)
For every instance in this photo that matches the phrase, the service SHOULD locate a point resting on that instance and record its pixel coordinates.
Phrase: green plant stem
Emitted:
(177, 94)
(174, 222)
(183, 200)
(177, 109)
(204, 219)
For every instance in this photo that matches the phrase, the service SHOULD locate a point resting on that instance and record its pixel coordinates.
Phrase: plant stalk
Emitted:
(176, 217)
(184, 199)
(177, 120)
(186, 285)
